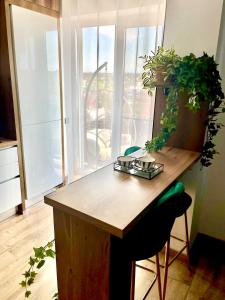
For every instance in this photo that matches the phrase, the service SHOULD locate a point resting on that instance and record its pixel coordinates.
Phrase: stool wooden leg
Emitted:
(158, 277)
(132, 288)
(187, 239)
(167, 254)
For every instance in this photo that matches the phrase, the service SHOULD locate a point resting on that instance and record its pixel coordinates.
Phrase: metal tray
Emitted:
(134, 170)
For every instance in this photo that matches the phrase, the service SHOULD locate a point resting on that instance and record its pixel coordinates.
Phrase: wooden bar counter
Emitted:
(93, 214)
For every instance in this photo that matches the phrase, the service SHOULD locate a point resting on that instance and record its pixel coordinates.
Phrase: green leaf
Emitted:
(27, 294)
(50, 244)
(23, 283)
(40, 264)
(39, 252)
(31, 261)
(30, 281)
(27, 274)
(50, 253)
(55, 296)
(33, 274)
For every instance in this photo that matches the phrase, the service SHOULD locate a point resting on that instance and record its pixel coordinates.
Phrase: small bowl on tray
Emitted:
(126, 161)
(145, 163)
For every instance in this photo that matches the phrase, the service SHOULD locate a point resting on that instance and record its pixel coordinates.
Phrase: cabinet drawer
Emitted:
(8, 156)
(10, 194)
(9, 171)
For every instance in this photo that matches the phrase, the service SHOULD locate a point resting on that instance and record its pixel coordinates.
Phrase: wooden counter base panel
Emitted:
(97, 259)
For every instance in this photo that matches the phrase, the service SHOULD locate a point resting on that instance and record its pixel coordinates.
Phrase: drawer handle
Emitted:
(4, 181)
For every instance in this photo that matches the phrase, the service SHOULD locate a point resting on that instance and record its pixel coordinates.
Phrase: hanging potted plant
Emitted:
(157, 66)
(199, 79)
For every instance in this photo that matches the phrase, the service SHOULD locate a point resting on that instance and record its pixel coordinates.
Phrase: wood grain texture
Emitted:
(190, 131)
(47, 7)
(51, 4)
(5, 143)
(7, 121)
(89, 261)
(115, 201)
(14, 90)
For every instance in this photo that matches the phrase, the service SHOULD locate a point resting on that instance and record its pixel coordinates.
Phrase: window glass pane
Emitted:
(89, 36)
(138, 106)
(97, 95)
(159, 36)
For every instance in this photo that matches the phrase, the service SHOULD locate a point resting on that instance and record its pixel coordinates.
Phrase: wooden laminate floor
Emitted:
(19, 234)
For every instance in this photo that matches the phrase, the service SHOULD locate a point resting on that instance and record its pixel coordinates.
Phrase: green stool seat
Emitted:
(130, 150)
(176, 190)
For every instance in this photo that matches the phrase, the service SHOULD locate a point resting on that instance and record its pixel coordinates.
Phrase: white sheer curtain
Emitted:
(106, 107)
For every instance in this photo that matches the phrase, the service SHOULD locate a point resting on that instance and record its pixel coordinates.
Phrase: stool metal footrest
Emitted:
(176, 255)
(153, 281)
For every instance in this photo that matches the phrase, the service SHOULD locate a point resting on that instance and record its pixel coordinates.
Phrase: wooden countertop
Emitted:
(4, 143)
(114, 201)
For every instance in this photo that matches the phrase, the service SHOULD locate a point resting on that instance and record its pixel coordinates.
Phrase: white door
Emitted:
(37, 70)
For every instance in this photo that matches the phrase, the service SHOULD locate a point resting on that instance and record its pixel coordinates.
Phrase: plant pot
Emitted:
(190, 132)
(159, 77)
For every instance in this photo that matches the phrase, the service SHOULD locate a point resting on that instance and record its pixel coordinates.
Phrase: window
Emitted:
(110, 109)
(98, 44)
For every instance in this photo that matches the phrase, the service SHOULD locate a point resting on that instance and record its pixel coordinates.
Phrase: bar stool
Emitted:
(174, 188)
(183, 203)
(149, 237)
(177, 189)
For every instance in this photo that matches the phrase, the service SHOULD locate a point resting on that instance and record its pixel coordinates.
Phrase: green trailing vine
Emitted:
(36, 262)
(168, 123)
(199, 78)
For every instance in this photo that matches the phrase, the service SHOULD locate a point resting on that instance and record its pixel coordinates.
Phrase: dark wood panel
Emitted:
(7, 121)
(190, 131)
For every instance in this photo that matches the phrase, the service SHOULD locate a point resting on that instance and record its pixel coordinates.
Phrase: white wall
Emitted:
(193, 26)
(212, 216)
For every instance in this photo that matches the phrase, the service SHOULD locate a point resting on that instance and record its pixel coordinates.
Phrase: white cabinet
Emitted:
(9, 171)
(37, 67)
(43, 157)
(8, 155)
(10, 192)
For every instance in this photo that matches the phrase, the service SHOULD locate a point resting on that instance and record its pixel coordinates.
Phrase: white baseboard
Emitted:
(33, 201)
